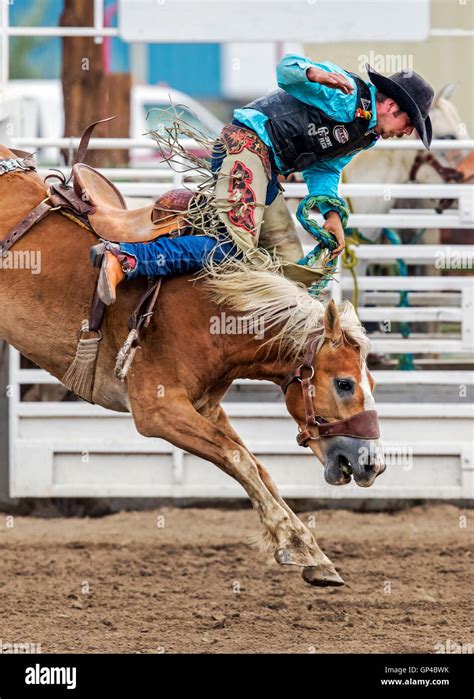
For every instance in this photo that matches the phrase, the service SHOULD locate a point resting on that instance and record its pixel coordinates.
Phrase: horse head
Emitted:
(445, 117)
(335, 385)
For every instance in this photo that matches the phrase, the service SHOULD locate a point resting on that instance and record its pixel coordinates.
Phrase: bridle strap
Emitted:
(307, 388)
(447, 174)
(296, 374)
(363, 425)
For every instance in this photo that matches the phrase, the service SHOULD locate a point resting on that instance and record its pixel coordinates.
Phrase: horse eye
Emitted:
(344, 385)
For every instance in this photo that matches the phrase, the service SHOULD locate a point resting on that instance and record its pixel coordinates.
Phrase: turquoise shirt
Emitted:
(323, 177)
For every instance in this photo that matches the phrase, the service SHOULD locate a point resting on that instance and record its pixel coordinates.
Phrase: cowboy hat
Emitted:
(412, 94)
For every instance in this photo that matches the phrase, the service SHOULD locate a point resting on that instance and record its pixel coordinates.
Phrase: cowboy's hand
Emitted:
(335, 80)
(333, 225)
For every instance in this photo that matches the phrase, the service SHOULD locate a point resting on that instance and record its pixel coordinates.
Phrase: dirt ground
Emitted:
(185, 580)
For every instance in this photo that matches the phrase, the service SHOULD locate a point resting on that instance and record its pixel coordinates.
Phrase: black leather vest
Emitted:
(303, 135)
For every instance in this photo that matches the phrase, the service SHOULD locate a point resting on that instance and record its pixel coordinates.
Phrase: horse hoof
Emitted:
(322, 576)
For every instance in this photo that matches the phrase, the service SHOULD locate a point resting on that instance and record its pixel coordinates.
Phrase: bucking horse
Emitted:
(174, 388)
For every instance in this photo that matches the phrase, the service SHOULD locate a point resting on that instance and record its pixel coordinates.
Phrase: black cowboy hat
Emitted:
(412, 94)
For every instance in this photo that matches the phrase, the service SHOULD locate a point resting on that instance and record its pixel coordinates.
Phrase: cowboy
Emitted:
(318, 119)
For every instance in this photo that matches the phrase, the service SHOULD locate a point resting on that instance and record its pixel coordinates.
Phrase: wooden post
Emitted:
(89, 94)
(117, 97)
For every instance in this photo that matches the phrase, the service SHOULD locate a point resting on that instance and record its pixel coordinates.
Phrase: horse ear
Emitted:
(445, 92)
(372, 382)
(332, 326)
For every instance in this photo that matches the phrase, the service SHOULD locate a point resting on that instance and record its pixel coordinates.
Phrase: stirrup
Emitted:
(97, 252)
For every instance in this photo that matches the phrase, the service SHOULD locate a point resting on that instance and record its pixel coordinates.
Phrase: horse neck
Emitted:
(258, 359)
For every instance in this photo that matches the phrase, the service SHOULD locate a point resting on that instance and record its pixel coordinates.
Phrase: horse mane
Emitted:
(270, 299)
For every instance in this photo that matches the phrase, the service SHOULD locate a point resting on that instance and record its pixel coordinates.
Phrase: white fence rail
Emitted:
(111, 143)
(76, 449)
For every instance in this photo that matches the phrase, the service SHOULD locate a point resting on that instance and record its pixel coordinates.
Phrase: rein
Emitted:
(363, 425)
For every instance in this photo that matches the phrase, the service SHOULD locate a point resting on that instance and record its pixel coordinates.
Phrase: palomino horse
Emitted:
(184, 368)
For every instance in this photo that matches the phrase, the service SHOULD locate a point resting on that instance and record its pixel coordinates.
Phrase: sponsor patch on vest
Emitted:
(322, 135)
(340, 133)
(366, 104)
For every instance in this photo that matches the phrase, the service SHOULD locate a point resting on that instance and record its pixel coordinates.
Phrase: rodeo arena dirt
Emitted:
(236, 341)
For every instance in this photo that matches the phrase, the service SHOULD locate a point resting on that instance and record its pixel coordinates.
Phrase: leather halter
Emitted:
(363, 425)
(447, 174)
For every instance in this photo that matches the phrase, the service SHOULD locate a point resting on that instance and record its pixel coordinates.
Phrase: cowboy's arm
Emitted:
(323, 179)
(323, 85)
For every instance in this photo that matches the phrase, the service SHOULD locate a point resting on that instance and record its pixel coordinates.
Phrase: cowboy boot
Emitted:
(113, 265)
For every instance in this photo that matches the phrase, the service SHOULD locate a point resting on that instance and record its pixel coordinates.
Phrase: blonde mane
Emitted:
(279, 303)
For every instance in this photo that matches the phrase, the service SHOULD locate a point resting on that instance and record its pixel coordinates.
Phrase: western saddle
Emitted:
(94, 202)
(107, 212)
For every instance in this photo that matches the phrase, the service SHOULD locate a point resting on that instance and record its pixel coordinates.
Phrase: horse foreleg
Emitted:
(179, 423)
(317, 573)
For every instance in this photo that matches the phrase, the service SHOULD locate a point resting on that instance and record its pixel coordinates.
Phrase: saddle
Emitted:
(96, 201)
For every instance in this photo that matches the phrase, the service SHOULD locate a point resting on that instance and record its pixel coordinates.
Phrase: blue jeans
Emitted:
(166, 257)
